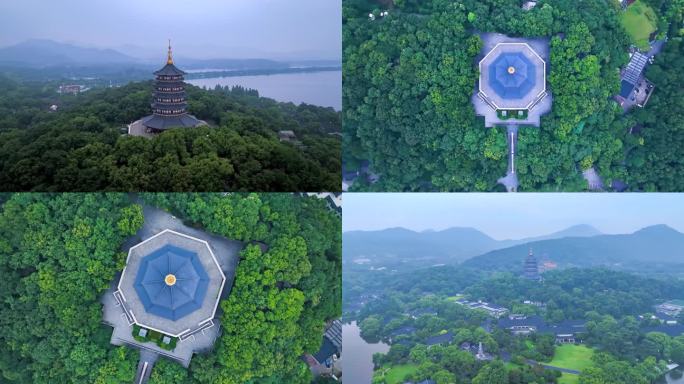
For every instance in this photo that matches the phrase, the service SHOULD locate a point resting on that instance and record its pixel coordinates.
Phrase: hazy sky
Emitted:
(280, 29)
(512, 215)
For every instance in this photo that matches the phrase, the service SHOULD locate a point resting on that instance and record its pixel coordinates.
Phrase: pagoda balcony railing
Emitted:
(170, 114)
(169, 78)
(168, 89)
(173, 112)
(169, 93)
(165, 82)
(169, 107)
(170, 101)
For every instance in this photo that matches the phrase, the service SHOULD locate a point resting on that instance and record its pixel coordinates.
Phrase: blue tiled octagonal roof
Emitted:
(182, 297)
(511, 75)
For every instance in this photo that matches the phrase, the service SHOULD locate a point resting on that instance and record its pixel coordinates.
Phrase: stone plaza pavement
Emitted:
(227, 255)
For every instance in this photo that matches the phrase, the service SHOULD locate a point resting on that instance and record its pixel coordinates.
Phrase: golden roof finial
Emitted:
(170, 59)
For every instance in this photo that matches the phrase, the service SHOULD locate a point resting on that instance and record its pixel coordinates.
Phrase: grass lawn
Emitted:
(568, 379)
(455, 297)
(397, 373)
(640, 21)
(572, 357)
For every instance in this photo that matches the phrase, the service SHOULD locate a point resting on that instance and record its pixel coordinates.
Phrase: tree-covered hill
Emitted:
(60, 252)
(409, 76)
(80, 146)
(402, 249)
(655, 249)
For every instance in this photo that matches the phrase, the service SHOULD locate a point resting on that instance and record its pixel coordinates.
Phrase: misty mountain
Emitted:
(581, 230)
(395, 244)
(42, 53)
(395, 247)
(650, 249)
(230, 64)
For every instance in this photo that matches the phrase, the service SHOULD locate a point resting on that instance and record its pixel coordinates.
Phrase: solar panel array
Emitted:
(636, 65)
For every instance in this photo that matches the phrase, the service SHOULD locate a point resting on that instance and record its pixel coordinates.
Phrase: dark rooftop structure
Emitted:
(444, 338)
(169, 104)
(405, 330)
(670, 330)
(331, 347)
(565, 331)
(634, 88)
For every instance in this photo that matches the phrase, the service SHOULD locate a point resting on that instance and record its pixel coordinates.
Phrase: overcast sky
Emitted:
(512, 215)
(279, 29)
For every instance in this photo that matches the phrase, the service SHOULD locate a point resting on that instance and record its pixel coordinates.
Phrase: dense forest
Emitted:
(616, 307)
(59, 252)
(81, 146)
(409, 75)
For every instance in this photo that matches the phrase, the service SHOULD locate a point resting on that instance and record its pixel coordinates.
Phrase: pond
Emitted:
(358, 355)
(318, 88)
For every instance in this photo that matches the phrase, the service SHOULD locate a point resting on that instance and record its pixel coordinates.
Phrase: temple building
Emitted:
(511, 90)
(169, 103)
(165, 300)
(512, 81)
(171, 284)
(531, 269)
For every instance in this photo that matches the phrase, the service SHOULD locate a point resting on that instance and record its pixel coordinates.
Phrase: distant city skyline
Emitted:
(512, 216)
(273, 29)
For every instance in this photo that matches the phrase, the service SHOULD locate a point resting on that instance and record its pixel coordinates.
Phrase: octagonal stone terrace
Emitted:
(512, 77)
(172, 283)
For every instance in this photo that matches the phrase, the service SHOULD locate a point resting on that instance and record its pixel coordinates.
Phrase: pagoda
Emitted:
(169, 102)
(531, 269)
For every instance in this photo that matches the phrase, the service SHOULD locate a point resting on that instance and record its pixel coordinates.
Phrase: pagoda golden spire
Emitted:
(170, 58)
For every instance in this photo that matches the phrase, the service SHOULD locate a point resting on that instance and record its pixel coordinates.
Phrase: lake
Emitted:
(318, 88)
(357, 366)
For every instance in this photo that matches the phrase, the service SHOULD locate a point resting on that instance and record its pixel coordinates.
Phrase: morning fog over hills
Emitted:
(46, 59)
(548, 288)
(651, 248)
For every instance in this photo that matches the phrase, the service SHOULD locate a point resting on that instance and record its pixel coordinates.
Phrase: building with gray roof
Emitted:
(512, 83)
(171, 284)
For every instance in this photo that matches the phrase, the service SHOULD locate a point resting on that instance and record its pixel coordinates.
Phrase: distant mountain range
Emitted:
(396, 247)
(657, 249)
(43, 53)
(654, 248)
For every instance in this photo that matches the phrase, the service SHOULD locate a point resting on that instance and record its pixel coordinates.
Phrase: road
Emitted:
(147, 360)
(510, 181)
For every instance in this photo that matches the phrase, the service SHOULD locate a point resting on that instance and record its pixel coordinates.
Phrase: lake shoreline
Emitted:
(320, 88)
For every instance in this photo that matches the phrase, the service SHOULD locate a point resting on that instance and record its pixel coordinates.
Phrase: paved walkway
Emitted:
(145, 364)
(656, 47)
(510, 181)
(594, 181)
(551, 367)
